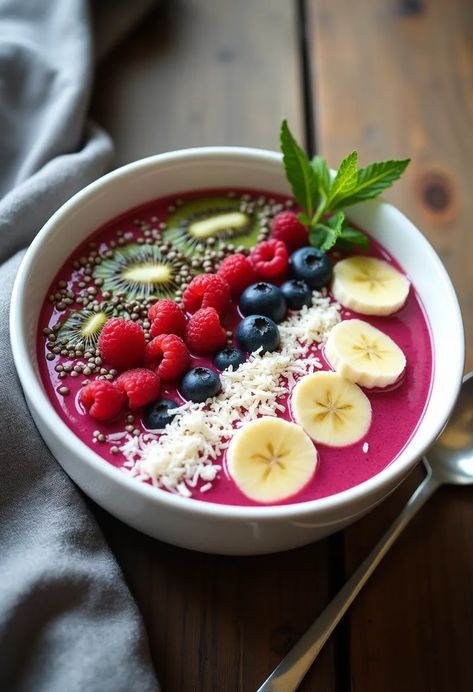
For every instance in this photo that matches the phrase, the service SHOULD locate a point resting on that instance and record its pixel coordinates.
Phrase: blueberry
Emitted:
(199, 384)
(263, 299)
(297, 293)
(229, 356)
(311, 265)
(258, 330)
(156, 415)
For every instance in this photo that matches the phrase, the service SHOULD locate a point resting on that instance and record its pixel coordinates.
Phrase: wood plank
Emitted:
(223, 623)
(200, 72)
(394, 79)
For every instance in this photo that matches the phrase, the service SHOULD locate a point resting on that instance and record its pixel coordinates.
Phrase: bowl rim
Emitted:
(383, 482)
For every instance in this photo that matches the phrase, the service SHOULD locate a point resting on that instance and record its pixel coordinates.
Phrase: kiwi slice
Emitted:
(83, 327)
(141, 271)
(219, 218)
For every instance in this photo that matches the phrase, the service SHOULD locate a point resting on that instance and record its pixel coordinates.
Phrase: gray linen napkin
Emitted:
(67, 620)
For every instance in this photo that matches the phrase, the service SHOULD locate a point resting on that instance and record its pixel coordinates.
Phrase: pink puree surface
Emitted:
(397, 410)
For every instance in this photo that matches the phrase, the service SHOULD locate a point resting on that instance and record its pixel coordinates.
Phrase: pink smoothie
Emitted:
(396, 413)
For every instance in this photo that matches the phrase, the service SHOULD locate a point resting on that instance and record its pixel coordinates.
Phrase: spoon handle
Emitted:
(288, 675)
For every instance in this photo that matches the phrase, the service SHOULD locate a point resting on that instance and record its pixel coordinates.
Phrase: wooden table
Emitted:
(391, 78)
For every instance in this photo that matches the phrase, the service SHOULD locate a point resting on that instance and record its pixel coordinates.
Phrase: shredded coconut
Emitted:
(365, 447)
(189, 448)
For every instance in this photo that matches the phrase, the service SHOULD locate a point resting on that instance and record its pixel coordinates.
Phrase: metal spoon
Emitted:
(450, 461)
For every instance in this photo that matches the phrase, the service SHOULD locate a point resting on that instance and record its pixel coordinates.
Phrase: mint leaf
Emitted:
(344, 182)
(298, 171)
(352, 236)
(322, 174)
(324, 234)
(373, 180)
(303, 218)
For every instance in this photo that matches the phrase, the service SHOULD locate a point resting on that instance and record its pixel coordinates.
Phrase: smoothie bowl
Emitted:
(220, 385)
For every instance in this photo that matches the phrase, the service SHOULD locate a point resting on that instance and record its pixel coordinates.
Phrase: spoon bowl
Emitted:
(450, 460)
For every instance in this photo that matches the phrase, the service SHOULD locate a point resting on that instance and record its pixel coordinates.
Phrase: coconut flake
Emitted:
(187, 450)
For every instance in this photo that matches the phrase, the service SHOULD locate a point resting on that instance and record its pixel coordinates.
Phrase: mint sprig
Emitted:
(322, 196)
(325, 234)
(302, 178)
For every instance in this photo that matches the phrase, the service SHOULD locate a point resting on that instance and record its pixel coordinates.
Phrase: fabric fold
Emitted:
(68, 622)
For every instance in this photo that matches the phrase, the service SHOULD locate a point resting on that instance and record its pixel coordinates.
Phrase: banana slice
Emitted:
(331, 409)
(270, 459)
(369, 286)
(364, 354)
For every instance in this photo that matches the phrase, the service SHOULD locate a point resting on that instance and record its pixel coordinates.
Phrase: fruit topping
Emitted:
(140, 385)
(218, 220)
(364, 354)
(200, 384)
(311, 265)
(271, 459)
(369, 286)
(287, 227)
(159, 414)
(168, 355)
(263, 298)
(143, 271)
(238, 272)
(229, 356)
(207, 291)
(204, 333)
(297, 293)
(166, 317)
(331, 409)
(82, 328)
(122, 343)
(270, 259)
(102, 400)
(258, 331)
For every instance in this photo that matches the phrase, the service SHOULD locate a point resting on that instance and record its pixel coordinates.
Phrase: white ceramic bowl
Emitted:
(200, 525)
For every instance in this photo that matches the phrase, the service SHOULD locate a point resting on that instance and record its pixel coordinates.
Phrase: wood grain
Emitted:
(205, 72)
(223, 623)
(395, 79)
(200, 72)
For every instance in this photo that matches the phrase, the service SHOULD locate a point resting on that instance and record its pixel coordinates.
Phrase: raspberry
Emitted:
(168, 355)
(140, 385)
(270, 259)
(205, 334)
(238, 273)
(102, 400)
(166, 317)
(122, 343)
(207, 291)
(287, 227)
